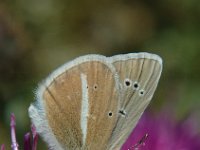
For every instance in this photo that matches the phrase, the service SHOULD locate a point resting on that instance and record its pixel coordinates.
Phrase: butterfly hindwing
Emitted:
(138, 76)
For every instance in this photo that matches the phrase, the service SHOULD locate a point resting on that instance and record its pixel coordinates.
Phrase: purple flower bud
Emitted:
(2, 147)
(14, 144)
(27, 141)
(35, 137)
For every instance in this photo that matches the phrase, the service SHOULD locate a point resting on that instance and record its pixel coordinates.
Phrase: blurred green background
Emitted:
(38, 36)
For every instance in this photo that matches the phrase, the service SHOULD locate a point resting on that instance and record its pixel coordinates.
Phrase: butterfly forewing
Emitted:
(81, 105)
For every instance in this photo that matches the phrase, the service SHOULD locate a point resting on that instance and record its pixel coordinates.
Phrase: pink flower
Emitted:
(164, 133)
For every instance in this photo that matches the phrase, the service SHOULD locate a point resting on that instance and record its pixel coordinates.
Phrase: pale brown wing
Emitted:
(81, 105)
(78, 105)
(139, 74)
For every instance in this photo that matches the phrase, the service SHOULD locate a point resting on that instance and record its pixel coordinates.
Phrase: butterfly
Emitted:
(94, 102)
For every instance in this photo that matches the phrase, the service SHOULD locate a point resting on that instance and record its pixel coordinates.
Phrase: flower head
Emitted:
(164, 133)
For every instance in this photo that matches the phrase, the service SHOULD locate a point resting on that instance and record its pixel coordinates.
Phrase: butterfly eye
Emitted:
(127, 82)
(136, 85)
(141, 92)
